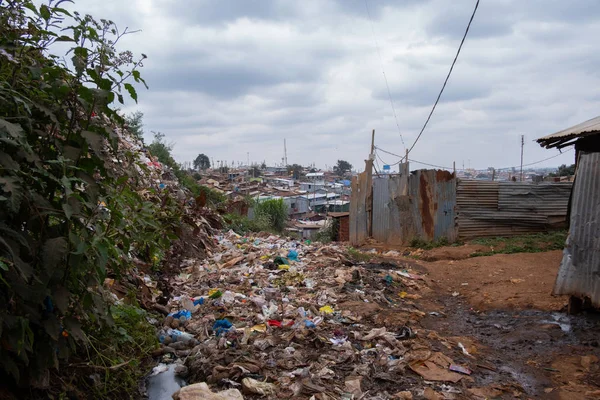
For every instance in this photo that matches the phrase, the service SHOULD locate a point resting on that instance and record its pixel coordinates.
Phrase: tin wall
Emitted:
(488, 209)
(579, 272)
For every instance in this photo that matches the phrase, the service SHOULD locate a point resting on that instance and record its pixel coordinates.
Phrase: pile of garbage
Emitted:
(265, 316)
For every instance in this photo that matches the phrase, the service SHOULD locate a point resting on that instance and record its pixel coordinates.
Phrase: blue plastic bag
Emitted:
(182, 315)
(293, 255)
(221, 326)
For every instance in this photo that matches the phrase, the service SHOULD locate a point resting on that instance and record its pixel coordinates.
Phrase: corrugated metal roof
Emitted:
(338, 214)
(562, 138)
(579, 272)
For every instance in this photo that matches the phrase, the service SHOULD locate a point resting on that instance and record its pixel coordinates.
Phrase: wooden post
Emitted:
(369, 171)
(454, 168)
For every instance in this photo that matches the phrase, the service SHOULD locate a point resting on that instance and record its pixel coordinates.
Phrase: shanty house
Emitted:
(579, 273)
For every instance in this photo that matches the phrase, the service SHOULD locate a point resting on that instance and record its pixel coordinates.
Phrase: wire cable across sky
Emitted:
(447, 77)
(387, 85)
(450, 168)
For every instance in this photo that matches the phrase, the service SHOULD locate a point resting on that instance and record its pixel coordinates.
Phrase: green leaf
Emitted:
(7, 162)
(64, 39)
(138, 78)
(68, 210)
(11, 185)
(73, 327)
(45, 12)
(66, 183)
(95, 141)
(52, 326)
(62, 11)
(61, 299)
(54, 251)
(120, 97)
(10, 366)
(13, 130)
(131, 91)
(31, 7)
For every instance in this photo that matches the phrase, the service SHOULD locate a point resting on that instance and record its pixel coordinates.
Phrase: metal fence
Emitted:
(433, 204)
(488, 209)
(421, 205)
(580, 266)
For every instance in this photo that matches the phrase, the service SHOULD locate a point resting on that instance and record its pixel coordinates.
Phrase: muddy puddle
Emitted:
(518, 345)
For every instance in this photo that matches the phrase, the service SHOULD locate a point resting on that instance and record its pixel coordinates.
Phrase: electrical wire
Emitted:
(447, 77)
(384, 75)
(448, 168)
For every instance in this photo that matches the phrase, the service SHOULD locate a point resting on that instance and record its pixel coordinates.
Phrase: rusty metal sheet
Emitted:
(358, 209)
(579, 272)
(488, 209)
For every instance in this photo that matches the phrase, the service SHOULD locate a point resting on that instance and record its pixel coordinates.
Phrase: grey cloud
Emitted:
(224, 83)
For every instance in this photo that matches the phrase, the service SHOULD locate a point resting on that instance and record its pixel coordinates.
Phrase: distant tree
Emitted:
(313, 170)
(263, 166)
(202, 162)
(134, 124)
(563, 170)
(160, 149)
(295, 170)
(342, 168)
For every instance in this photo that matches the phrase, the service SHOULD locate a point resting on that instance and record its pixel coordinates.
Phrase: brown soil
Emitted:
(501, 308)
(514, 281)
(453, 253)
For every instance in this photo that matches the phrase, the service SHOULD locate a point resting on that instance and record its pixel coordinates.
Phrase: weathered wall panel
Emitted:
(423, 208)
(579, 272)
(487, 209)
(358, 209)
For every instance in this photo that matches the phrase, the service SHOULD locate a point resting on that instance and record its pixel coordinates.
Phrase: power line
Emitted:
(447, 77)
(448, 168)
(384, 75)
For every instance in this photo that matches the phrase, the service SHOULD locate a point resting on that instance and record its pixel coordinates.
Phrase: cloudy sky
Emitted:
(228, 77)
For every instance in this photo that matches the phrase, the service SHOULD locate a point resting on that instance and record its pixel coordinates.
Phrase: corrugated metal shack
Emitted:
(579, 272)
(433, 204)
(489, 209)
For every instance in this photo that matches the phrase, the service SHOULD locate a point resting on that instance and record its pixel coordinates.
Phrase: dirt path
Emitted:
(501, 308)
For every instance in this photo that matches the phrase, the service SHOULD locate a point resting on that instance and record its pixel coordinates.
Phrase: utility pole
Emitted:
(248, 163)
(285, 152)
(522, 144)
(369, 171)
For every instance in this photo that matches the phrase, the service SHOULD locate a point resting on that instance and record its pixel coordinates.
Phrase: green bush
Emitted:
(242, 225)
(274, 210)
(329, 233)
(69, 215)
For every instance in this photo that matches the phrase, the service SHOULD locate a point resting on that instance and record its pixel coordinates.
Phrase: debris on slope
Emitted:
(249, 318)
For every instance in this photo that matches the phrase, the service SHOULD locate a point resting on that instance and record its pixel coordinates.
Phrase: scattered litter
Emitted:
(221, 325)
(277, 318)
(463, 348)
(460, 369)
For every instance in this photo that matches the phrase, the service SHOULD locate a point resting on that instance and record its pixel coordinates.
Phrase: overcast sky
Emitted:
(228, 77)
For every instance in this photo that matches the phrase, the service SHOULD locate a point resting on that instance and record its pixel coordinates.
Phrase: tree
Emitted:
(563, 170)
(134, 124)
(160, 149)
(342, 167)
(263, 166)
(295, 170)
(202, 162)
